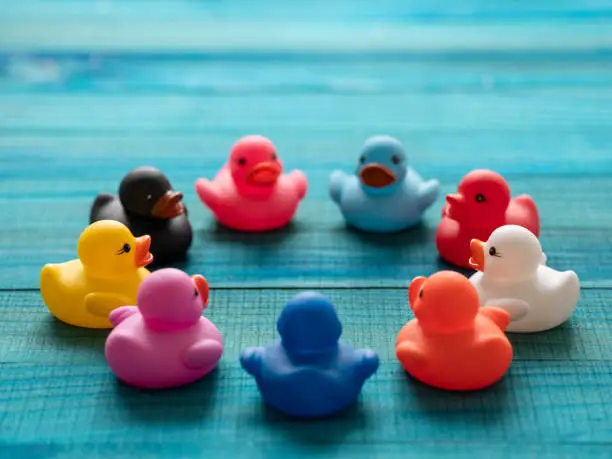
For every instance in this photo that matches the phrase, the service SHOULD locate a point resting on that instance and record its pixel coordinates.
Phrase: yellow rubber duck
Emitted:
(107, 274)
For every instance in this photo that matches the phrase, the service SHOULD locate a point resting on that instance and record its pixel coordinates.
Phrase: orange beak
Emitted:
(414, 289)
(477, 261)
(169, 205)
(142, 255)
(202, 286)
(264, 174)
(377, 176)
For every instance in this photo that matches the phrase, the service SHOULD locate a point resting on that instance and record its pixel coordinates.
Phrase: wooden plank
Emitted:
(317, 250)
(57, 389)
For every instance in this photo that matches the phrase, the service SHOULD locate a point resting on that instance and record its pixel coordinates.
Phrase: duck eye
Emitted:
(493, 252)
(125, 249)
(195, 292)
(242, 161)
(274, 157)
(480, 198)
(421, 293)
(396, 159)
(362, 159)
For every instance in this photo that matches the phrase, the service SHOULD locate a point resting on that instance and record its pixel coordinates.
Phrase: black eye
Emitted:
(274, 157)
(362, 159)
(493, 252)
(242, 161)
(480, 198)
(125, 249)
(195, 292)
(421, 293)
(396, 159)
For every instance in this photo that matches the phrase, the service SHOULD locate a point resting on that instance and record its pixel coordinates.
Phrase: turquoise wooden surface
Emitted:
(90, 89)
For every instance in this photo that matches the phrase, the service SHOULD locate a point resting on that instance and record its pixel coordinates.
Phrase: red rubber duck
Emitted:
(453, 344)
(481, 205)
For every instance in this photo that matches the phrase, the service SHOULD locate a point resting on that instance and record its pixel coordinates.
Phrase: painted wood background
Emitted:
(90, 89)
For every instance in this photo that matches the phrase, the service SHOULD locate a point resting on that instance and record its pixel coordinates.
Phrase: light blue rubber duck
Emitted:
(385, 194)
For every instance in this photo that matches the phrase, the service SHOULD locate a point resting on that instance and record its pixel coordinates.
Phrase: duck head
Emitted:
(511, 254)
(108, 249)
(147, 192)
(254, 166)
(309, 325)
(169, 299)
(382, 166)
(482, 195)
(445, 302)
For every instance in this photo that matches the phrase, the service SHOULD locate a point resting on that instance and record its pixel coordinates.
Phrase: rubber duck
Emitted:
(482, 204)
(250, 192)
(147, 204)
(511, 264)
(164, 341)
(385, 194)
(309, 373)
(107, 274)
(451, 343)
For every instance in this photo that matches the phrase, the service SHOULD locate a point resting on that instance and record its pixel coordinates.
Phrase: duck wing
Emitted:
(523, 211)
(202, 354)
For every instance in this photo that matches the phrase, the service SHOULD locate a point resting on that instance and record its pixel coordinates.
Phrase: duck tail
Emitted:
(100, 202)
(49, 280)
(530, 209)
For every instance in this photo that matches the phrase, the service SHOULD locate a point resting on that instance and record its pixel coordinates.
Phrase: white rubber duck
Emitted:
(512, 266)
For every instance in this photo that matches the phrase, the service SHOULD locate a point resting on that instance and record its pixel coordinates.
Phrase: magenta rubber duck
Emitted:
(250, 192)
(164, 341)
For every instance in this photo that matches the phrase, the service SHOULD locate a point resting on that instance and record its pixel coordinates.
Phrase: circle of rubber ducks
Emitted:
(456, 341)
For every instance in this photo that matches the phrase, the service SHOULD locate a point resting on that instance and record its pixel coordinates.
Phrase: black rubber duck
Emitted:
(147, 204)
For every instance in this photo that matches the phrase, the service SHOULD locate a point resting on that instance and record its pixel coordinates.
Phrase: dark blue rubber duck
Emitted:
(147, 204)
(309, 373)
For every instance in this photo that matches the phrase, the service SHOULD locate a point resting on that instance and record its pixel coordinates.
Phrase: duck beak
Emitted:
(201, 286)
(142, 255)
(169, 205)
(477, 261)
(376, 175)
(414, 289)
(455, 204)
(264, 174)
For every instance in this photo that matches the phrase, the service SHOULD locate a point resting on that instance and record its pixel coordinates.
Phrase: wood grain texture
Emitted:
(89, 90)
(55, 379)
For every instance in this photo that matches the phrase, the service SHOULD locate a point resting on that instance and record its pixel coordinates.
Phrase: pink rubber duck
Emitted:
(164, 341)
(250, 192)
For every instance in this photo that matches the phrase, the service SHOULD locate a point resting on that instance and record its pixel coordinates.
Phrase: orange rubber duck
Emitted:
(453, 344)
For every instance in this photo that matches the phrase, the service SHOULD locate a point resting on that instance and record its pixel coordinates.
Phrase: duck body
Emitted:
(453, 343)
(309, 372)
(469, 360)
(552, 297)
(106, 276)
(481, 205)
(311, 386)
(252, 213)
(250, 192)
(385, 213)
(384, 194)
(512, 265)
(144, 357)
(170, 238)
(164, 341)
(66, 290)
(147, 204)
